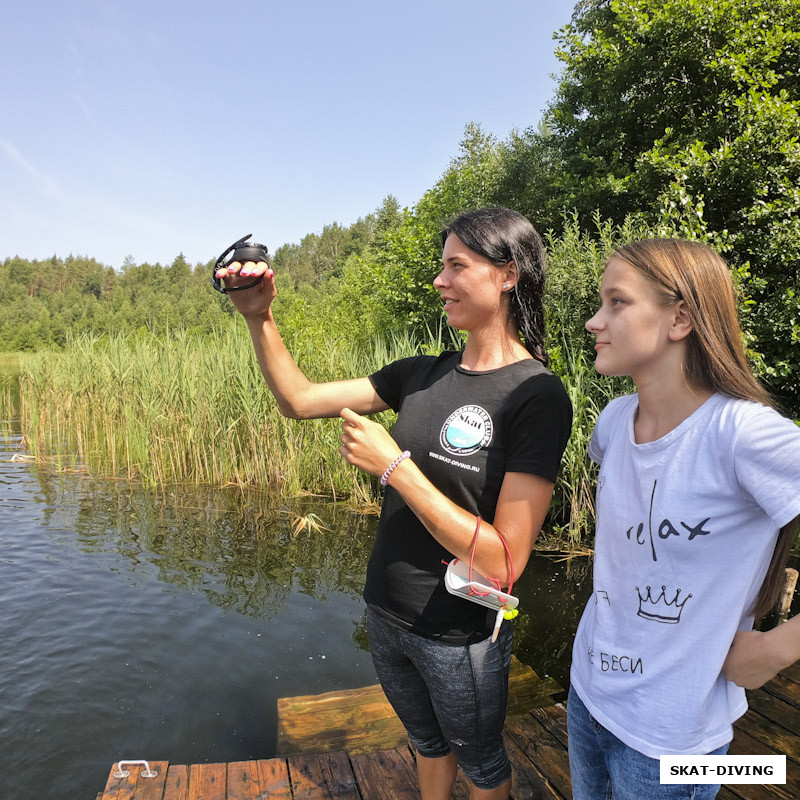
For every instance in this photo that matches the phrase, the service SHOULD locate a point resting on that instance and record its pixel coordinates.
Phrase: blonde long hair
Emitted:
(715, 356)
(698, 275)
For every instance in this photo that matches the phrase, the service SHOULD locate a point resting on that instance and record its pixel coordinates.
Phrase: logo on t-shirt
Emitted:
(466, 430)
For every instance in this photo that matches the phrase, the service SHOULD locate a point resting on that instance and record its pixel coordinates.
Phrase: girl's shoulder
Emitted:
(755, 428)
(613, 421)
(765, 455)
(748, 419)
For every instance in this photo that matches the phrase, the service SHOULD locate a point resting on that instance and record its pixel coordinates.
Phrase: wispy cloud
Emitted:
(78, 219)
(43, 183)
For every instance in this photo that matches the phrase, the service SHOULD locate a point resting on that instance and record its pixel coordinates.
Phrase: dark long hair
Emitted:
(501, 235)
(715, 359)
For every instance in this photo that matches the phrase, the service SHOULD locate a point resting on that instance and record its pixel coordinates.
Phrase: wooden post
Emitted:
(789, 582)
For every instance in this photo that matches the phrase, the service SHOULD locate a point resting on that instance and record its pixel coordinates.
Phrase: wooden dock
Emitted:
(361, 721)
(536, 739)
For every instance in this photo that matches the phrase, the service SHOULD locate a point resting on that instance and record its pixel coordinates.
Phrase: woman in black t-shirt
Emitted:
(469, 470)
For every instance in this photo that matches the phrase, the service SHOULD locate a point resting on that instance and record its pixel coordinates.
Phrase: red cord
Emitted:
(495, 581)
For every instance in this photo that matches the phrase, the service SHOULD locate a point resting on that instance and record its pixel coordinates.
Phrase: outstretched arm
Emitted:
(756, 657)
(521, 507)
(297, 396)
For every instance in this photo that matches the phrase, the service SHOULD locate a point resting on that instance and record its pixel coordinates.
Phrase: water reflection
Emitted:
(242, 552)
(239, 549)
(162, 626)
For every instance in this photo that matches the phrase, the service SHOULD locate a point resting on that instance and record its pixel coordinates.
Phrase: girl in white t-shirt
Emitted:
(697, 502)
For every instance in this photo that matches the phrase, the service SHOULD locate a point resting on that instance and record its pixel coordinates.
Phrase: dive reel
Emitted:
(241, 251)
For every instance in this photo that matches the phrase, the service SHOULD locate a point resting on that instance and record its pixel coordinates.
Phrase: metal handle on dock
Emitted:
(145, 773)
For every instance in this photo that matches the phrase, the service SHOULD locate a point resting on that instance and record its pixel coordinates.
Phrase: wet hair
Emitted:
(501, 235)
(715, 355)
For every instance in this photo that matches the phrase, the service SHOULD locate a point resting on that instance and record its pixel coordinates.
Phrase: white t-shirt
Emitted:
(686, 528)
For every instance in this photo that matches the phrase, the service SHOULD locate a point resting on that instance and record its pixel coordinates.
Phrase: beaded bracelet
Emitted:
(391, 468)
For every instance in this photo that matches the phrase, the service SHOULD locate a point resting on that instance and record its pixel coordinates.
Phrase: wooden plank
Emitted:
(340, 700)
(363, 721)
(726, 793)
(355, 721)
(177, 785)
(521, 677)
(152, 788)
(773, 736)
(792, 672)
(527, 782)
(387, 775)
(745, 745)
(243, 781)
(135, 785)
(324, 776)
(273, 775)
(786, 689)
(545, 752)
(776, 710)
(526, 690)
(352, 728)
(120, 788)
(523, 696)
(207, 781)
(553, 719)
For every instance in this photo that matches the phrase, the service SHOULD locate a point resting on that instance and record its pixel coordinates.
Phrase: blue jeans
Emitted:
(451, 698)
(603, 767)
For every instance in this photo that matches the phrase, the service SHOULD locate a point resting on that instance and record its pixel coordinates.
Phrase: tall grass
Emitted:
(572, 514)
(8, 412)
(9, 363)
(196, 410)
(575, 265)
(9, 395)
(186, 409)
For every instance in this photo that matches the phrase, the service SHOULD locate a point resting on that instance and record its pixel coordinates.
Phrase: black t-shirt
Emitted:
(465, 431)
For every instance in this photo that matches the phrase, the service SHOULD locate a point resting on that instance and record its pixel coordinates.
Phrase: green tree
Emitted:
(686, 113)
(388, 218)
(470, 181)
(295, 261)
(531, 177)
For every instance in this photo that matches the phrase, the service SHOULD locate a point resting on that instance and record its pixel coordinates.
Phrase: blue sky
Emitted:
(149, 129)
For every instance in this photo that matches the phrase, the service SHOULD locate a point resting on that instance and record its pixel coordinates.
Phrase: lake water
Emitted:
(166, 625)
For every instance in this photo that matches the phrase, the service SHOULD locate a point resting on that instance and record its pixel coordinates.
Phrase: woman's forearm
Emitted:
(297, 396)
(521, 508)
(285, 379)
(756, 657)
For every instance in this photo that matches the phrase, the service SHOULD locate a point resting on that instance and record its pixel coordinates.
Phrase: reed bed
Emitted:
(572, 516)
(186, 409)
(8, 412)
(9, 363)
(9, 396)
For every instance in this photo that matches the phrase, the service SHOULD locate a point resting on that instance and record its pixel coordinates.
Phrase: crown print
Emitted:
(659, 609)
